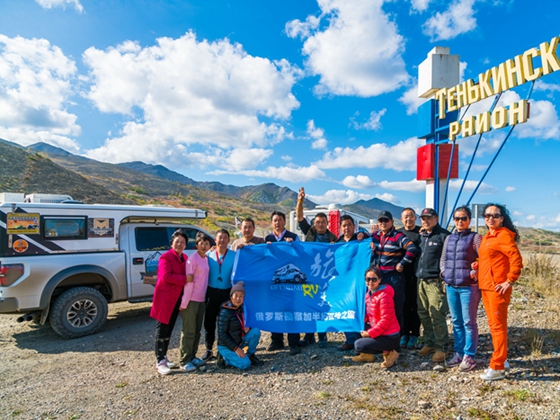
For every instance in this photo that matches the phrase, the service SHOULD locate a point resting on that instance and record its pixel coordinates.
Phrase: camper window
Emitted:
(60, 227)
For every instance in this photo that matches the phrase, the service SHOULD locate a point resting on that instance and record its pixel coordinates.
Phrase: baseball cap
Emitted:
(386, 214)
(428, 212)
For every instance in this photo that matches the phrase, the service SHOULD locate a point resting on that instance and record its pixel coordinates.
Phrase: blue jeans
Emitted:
(251, 340)
(463, 305)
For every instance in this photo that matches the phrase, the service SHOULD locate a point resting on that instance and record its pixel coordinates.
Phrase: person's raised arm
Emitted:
(299, 205)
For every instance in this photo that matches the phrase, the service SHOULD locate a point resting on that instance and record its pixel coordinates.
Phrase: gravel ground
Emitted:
(112, 375)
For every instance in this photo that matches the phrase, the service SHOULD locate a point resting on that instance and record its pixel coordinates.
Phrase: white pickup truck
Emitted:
(63, 261)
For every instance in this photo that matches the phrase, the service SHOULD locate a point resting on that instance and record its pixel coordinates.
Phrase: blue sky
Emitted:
(298, 92)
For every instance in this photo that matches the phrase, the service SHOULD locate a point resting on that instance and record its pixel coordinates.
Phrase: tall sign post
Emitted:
(437, 161)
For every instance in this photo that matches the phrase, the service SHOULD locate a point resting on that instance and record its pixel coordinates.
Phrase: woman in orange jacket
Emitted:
(499, 267)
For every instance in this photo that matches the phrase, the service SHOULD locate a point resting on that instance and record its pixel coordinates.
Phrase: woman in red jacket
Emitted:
(383, 330)
(172, 276)
(499, 267)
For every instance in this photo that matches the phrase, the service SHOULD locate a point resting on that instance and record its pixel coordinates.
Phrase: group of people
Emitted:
(418, 274)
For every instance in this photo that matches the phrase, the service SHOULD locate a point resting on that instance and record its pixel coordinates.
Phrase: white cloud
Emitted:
(359, 182)
(47, 4)
(411, 186)
(339, 196)
(542, 86)
(296, 174)
(170, 102)
(35, 89)
(388, 197)
(372, 124)
(455, 185)
(349, 27)
(420, 5)
(411, 100)
(456, 20)
(317, 134)
(531, 217)
(319, 144)
(510, 189)
(399, 157)
(286, 158)
(542, 124)
(517, 213)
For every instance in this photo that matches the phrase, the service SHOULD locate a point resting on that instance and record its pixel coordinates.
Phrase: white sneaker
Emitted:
(493, 375)
(189, 367)
(162, 368)
(170, 365)
(455, 360)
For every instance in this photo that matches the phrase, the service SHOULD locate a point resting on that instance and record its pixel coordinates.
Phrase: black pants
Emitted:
(163, 332)
(396, 280)
(410, 310)
(293, 338)
(214, 300)
(377, 345)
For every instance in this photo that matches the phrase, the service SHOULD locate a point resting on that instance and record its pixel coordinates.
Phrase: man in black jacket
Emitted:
(432, 300)
(236, 342)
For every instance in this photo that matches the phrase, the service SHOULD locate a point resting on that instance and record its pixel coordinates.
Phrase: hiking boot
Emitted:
(455, 360)
(438, 357)
(363, 358)
(493, 375)
(294, 350)
(426, 351)
(467, 364)
(323, 343)
(162, 368)
(390, 359)
(220, 362)
(255, 361)
(275, 346)
(345, 347)
(207, 355)
(197, 362)
(404, 341)
(412, 342)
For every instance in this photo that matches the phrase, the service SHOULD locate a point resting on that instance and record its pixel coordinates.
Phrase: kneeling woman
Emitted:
(383, 330)
(236, 342)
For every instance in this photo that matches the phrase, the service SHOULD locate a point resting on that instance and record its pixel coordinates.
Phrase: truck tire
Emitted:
(78, 312)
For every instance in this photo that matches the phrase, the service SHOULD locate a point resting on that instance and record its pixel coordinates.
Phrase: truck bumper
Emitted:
(8, 305)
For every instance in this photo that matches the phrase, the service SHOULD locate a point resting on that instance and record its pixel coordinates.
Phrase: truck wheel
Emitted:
(77, 312)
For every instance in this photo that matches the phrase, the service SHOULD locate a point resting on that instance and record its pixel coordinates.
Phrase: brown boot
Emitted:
(390, 359)
(438, 357)
(425, 351)
(363, 358)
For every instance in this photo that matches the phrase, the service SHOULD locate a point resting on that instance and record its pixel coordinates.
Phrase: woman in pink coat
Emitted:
(382, 334)
(172, 276)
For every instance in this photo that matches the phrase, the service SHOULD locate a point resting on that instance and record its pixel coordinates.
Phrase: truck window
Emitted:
(158, 238)
(60, 227)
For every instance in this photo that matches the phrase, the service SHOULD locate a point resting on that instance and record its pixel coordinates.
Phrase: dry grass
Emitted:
(542, 274)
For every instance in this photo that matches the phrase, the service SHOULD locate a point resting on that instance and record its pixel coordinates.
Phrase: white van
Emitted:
(64, 261)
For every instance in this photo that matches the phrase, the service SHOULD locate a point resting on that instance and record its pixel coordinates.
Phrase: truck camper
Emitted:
(63, 261)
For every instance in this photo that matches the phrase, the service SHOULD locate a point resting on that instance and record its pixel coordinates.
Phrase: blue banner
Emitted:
(302, 287)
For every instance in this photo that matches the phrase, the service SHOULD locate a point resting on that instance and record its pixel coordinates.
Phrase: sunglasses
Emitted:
(461, 219)
(368, 279)
(383, 220)
(493, 216)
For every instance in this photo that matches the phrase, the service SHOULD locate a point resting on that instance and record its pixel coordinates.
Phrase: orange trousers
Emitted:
(496, 307)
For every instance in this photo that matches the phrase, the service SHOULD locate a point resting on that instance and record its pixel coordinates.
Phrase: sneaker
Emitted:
(189, 367)
(345, 347)
(255, 361)
(207, 355)
(275, 346)
(198, 362)
(294, 350)
(404, 341)
(493, 375)
(438, 357)
(411, 345)
(363, 358)
(390, 359)
(426, 351)
(162, 368)
(467, 364)
(455, 360)
(171, 365)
